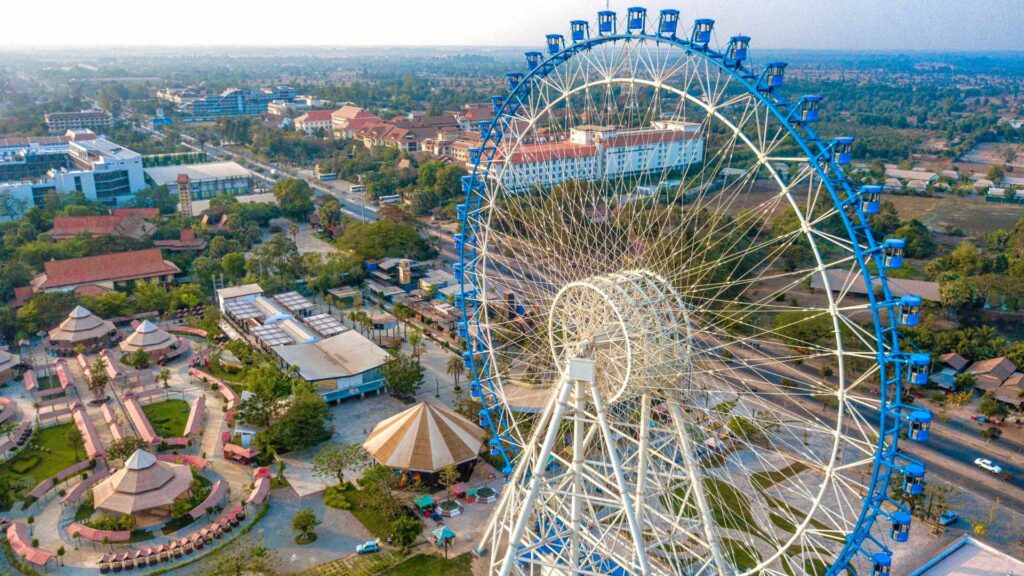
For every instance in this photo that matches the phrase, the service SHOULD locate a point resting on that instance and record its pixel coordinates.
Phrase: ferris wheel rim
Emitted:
(483, 167)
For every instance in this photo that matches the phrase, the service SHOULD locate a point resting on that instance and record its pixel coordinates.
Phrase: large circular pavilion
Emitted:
(145, 488)
(425, 439)
(156, 342)
(82, 328)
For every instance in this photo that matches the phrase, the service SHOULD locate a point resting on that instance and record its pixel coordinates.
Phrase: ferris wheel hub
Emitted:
(632, 324)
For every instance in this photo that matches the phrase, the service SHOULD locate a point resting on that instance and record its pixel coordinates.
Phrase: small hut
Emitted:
(152, 340)
(82, 328)
(425, 439)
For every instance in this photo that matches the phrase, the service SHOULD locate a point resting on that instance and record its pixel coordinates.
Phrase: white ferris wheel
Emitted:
(659, 262)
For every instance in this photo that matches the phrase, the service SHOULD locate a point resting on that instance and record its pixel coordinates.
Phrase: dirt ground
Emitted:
(993, 153)
(974, 217)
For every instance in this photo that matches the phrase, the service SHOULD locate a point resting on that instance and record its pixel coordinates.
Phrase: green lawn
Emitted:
(432, 565)
(50, 453)
(368, 515)
(168, 417)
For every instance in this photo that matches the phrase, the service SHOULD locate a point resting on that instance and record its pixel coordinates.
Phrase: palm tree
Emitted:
(415, 339)
(454, 367)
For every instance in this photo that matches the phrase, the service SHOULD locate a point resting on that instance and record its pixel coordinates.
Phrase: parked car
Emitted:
(368, 547)
(949, 517)
(986, 464)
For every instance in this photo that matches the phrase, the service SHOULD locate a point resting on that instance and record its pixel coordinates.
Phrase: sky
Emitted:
(930, 25)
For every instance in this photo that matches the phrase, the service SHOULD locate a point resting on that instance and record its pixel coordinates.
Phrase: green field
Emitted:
(48, 455)
(168, 417)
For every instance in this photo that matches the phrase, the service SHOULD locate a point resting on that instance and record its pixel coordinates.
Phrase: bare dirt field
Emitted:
(994, 153)
(974, 217)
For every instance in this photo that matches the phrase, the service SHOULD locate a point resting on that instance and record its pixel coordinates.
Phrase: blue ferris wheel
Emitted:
(678, 321)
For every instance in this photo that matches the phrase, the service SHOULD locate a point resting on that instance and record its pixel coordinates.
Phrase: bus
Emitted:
(391, 199)
(357, 189)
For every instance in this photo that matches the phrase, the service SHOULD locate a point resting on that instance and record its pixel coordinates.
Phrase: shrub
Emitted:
(334, 496)
(24, 465)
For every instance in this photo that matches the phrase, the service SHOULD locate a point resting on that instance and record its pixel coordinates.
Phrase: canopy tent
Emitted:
(425, 438)
(442, 535)
(424, 501)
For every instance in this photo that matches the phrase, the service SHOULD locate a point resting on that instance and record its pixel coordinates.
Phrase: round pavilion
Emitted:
(82, 328)
(425, 439)
(145, 488)
(154, 341)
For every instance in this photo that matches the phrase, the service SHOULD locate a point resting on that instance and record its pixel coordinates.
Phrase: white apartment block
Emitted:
(601, 152)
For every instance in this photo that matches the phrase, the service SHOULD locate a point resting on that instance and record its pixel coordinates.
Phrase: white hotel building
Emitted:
(601, 152)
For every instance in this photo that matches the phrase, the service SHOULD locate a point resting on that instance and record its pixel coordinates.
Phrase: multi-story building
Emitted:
(600, 152)
(96, 167)
(349, 119)
(181, 96)
(61, 122)
(235, 102)
(206, 180)
(314, 120)
(296, 105)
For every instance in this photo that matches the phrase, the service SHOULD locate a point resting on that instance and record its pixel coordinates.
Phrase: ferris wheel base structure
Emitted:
(666, 443)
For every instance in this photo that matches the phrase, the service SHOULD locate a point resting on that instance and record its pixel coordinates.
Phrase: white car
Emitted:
(986, 464)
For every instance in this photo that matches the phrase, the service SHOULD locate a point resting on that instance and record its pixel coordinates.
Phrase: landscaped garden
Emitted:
(168, 417)
(46, 454)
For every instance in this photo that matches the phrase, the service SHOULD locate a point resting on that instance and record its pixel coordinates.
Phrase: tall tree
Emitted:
(333, 460)
(403, 375)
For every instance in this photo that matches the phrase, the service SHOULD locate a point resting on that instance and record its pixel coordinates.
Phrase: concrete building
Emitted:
(314, 120)
(234, 102)
(342, 366)
(61, 122)
(243, 293)
(345, 121)
(600, 152)
(969, 557)
(207, 180)
(98, 168)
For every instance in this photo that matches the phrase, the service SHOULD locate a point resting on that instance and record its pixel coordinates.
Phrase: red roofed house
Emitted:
(470, 117)
(126, 225)
(347, 119)
(147, 213)
(114, 271)
(187, 241)
(314, 120)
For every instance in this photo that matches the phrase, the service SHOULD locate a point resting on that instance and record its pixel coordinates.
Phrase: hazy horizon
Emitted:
(865, 25)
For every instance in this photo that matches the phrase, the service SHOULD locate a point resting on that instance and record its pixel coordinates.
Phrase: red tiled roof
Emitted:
(91, 290)
(548, 151)
(349, 112)
(315, 116)
(478, 113)
(131, 224)
(73, 225)
(111, 267)
(146, 213)
(21, 295)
